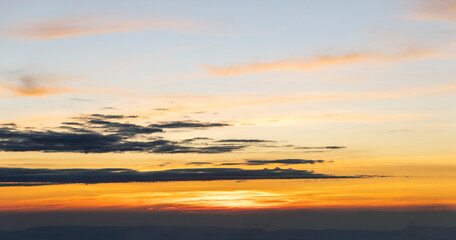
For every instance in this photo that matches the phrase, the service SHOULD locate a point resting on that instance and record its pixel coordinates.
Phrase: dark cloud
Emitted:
(110, 123)
(164, 164)
(82, 99)
(176, 148)
(72, 123)
(122, 175)
(23, 184)
(196, 139)
(99, 133)
(283, 161)
(324, 147)
(126, 129)
(198, 163)
(52, 141)
(115, 138)
(103, 116)
(277, 161)
(188, 124)
(244, 141)
(335, 147)
(102, 133)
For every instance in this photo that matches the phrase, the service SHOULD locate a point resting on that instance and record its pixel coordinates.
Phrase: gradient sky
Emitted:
(280, 105)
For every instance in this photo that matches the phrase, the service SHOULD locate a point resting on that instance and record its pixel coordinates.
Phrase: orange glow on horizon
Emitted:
(228, 196)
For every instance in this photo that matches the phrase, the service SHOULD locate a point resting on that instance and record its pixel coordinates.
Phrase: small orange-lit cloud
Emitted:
(29, 85)
(74, 27)
(315, 63)
(434, 10)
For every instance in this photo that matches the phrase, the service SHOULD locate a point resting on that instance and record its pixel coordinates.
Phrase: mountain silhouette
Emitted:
(219, 233)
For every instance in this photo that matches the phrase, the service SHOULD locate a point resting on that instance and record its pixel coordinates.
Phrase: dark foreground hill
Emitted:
(216, 233)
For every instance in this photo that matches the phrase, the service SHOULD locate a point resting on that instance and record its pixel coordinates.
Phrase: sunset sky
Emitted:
(227, 106)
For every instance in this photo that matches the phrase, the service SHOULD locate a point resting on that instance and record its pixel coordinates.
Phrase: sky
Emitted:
(228, 107)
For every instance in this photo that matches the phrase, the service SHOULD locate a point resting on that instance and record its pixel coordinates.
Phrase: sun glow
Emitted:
(232, 199)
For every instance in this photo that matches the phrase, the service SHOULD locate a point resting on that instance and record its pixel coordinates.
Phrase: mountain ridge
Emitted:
(220, 233)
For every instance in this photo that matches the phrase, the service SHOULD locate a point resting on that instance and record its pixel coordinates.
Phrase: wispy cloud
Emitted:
(189, 124)
(434, 10)
(191, 102)
(245, 141)
(318, 62)
(276, 161)
(77, 27)
(81, 99)
(324, 147)
(33, 85)
(397, 131)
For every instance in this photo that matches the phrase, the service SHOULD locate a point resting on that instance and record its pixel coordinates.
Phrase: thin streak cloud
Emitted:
(77, 27)
(209, 102)
(276, 161)
(319, 62)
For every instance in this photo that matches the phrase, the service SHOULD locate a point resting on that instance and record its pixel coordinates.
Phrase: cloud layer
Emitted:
(99, 133)
(26, 176)
(277, 161)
